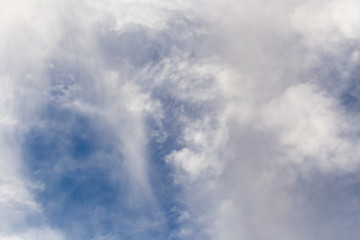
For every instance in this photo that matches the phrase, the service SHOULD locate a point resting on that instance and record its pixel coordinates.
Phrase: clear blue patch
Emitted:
(69, 155)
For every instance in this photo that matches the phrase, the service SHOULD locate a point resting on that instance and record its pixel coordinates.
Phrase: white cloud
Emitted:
(313, 126)
(41, 234)
(327, 22)
(254, 118)
(277, 118)
(27, 35)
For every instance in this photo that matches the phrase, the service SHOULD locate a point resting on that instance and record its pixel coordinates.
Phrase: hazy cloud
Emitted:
(179, 120)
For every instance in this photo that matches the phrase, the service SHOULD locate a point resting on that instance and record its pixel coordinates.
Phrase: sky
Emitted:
(179, 120)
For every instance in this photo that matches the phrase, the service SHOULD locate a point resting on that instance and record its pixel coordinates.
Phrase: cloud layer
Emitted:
(179, 120)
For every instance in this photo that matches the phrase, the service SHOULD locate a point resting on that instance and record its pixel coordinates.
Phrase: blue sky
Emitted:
(179, 120)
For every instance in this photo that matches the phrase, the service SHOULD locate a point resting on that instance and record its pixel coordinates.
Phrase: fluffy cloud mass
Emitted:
(179, 120)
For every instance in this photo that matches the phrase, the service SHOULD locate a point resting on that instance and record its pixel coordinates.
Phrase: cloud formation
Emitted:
(179, 120)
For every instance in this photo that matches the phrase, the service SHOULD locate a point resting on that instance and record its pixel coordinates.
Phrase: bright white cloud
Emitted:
(313, 127)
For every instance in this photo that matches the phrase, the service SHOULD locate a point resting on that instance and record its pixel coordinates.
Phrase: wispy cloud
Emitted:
(179, 120)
